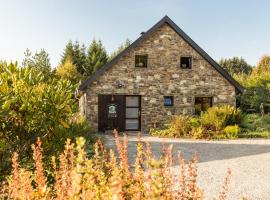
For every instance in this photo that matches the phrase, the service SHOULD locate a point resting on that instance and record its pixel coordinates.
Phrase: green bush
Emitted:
(33, 106)
(217, 118)
(257, 91)
(232, 131)
(255, 123)
(215, 123)
(178, 126)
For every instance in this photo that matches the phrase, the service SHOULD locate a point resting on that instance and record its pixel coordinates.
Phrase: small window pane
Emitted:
(140, 60)
(132, 101)
(186, 62)
(168, 101)
(132, 112)
(132, 124)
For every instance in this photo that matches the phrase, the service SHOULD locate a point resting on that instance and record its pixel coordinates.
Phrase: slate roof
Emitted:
(182, 34)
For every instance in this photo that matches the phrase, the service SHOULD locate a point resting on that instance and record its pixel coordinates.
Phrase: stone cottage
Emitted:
(163, 73)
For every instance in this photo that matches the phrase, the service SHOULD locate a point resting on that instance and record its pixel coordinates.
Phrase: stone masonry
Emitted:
(162, 77)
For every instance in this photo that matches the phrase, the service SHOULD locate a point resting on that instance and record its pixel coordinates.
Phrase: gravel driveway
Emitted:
(249, 160)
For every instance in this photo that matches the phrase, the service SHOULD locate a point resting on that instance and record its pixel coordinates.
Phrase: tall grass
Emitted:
(107, 175)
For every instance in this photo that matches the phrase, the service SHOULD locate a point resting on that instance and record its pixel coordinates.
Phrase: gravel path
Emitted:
(249, 160)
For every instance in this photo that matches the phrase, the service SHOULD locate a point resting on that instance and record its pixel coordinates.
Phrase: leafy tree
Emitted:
(96, 57)
(263, 65)
(39, 61)
(120, 48)
(257, 91)
(68, 71)
(235, 65)
(76, 53)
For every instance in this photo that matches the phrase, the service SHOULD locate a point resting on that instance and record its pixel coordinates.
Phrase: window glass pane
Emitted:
(132, 112)
(132, 124)
(168, 101)
(132, 101)
(186, 62)
(140, 60)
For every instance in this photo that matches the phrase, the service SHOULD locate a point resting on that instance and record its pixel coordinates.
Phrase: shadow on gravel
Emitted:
(206, 151)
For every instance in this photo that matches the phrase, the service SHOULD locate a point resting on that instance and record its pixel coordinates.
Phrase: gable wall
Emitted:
(162, 77)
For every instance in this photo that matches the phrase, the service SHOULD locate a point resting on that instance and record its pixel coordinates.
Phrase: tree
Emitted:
(235, 65)
(39, 61)
(263, 65)
(76, 53)
(120, 48)
(96, 57)
(68, 71)
(68, 52)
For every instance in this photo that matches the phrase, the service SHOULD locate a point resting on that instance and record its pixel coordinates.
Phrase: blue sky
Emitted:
(222, 28)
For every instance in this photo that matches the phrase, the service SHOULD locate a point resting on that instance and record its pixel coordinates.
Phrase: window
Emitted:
(186, 62)
(168, 100)
(132, 113)
(202, 104)
(140, 60)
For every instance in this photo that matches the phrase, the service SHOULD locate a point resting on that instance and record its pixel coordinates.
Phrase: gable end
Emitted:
(182, 34)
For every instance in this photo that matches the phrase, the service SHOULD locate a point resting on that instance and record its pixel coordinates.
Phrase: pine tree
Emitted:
(79, 58)
(68, 52)
(96, 57)
(76, 53)
(68, 71)
(120, 48)
(235, 65)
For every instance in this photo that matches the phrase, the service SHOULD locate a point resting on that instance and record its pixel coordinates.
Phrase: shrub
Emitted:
(210, 125)
(198, 133)
(232, 131)
(255, 122)
(217, 118)
(103, 177)
(178, 126)
(33, 106)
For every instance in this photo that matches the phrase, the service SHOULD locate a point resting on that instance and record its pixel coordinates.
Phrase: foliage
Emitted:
(33, 106)
(263, 65)
(96, 57)
(120, 48)
(103, 177)
(235, 65)
(216, 122)
(40, 61)
(178, 126)
(257, 91)
(255, 123)
(68, 71)
(232, 131)
(87, 61)
(75, 53)
(218, 117)
(254, 134)
(257, 87)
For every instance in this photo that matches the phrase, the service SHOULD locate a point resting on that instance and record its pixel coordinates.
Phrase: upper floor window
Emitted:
(186, 62)
(140, 60)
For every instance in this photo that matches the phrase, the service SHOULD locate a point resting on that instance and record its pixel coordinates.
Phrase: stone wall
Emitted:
(162, 77)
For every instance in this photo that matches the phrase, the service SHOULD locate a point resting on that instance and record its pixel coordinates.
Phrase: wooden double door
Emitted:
(121, 112)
